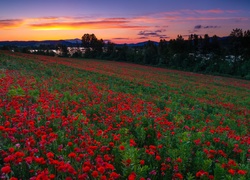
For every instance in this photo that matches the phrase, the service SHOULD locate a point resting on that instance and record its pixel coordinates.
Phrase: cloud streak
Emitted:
(120, 38)
(10, 23)
(205, 27)
(105, 24)
(151, 26)
(149, 33)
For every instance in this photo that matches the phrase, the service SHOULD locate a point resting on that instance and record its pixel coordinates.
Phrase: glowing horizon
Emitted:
(124, 23)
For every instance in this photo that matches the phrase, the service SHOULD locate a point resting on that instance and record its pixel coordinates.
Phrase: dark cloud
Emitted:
(156, 33)
(120, 38)
(160, 30)
(187, 35)
(193, 31)
(164, 37)
(197, 27)
(211, 27)
(205, 27)
(143, 37)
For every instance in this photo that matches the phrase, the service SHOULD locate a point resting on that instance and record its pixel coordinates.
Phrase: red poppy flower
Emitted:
(6, 169)
(179, 160)
(242, 172)
(142, 162)
(72, 155)
(231, 171)
(122, 148)
(86, 169)
(101, 169)
(13, 178)
(158, 158)
(132, 176)
(95, 174)
(114, 175)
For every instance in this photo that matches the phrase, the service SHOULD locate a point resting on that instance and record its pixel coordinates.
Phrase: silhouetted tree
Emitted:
(246, 44)
(215, 45)
(150, 53)
(206, 44)
(89, 40)
(236, 37)
(163, 51)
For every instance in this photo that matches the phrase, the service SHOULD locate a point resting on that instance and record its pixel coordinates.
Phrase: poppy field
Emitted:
(64, 118)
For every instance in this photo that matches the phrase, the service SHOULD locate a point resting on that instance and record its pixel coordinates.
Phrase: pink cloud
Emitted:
(104, 24)
(10, 23)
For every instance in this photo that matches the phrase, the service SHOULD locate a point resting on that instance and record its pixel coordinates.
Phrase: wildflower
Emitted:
(111, 144)
(132, 142)
(211, 177)
(103, 177)
(28, 160)
(132, 176)
(86, 169)
(197, 142)
(241, 172)
(50, 155)
(6, 169)
(95, 174)
(128, 162)
(114, 175)
(158, 158)
(52, 176)
(101, 169)
(142, 162)
(122, 148)
(179, 160)
(178, 175)
(153, 172)
(201, 173)
(11, 150)
(216, 140)
(13, 178)
(231, 171)
(110, 166)
(72, 155)
(106, 157)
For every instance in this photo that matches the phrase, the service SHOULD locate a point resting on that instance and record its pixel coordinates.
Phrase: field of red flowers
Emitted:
(63, 118)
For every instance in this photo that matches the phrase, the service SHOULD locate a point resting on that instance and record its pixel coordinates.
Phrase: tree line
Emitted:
(212, 55)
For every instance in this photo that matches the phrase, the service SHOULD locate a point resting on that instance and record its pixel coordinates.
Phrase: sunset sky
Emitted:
(120, 21)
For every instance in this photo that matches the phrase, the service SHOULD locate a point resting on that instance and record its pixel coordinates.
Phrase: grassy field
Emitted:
(64, 118)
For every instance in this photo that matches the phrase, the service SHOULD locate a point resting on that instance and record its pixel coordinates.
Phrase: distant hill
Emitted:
(75, 42)
(137, 44)
(69, 43)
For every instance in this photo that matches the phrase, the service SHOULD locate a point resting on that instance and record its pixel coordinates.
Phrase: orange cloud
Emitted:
(104, 24)
(215, 11)
(210, 11)
(10, 23)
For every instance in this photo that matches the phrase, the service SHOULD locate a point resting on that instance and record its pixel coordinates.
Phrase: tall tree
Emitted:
(236, 37)
(206, 44)
(246, 43)
(89, 40)
(94, 46)
(150, 53)
(215, 45)
(163, 51)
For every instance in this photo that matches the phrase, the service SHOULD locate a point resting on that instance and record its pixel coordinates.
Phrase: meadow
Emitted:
(65, 118)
